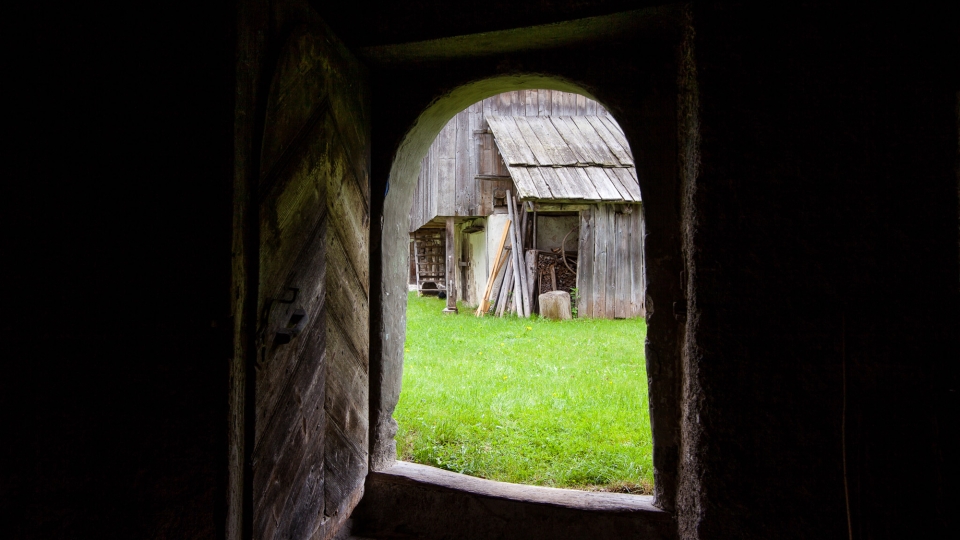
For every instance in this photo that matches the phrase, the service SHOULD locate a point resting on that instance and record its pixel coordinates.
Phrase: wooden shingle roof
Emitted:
(566, 158)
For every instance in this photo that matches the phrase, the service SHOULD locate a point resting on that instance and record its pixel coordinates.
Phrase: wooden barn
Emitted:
(570, 168)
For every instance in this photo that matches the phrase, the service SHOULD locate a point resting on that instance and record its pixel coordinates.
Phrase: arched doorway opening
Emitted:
(657, 177)
(518, 398)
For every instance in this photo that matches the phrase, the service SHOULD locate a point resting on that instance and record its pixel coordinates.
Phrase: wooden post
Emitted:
(505, 287)
(519, 287)
(533, 241)
(416, 261)
(451, 269)
(531, 259)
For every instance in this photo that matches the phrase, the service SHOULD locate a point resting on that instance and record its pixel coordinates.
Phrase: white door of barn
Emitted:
(309, 458)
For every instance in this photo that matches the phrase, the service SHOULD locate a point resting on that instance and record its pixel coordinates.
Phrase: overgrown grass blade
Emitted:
(529, 401)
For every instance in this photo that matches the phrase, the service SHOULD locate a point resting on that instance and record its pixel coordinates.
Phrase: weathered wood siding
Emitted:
(449, 185)
(310, 442)
(610, 272)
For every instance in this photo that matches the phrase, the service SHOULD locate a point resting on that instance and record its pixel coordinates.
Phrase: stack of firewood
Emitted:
(556, 272)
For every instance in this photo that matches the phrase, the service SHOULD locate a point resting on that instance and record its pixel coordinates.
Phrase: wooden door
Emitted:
(311, 425)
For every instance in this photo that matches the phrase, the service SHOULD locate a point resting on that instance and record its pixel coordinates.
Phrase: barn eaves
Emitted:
(567, 158)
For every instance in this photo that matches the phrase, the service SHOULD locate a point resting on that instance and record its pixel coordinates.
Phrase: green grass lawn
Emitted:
(530, 401)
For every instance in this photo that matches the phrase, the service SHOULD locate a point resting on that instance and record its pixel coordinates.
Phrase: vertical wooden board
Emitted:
(636, 262)
(490, 154)
(585, 265)
(501, 165)
(622, 241)
(569, 104)
(617, 258)
(556, 103)
(581, 105)
(450, 262)
(504, 103)
(643, 261)
(629, 222)
(486, 109)
(422, 199)
(432, 183)
(532, 103)
(600, 260)
(447, 186)
(415, 206)
(485, 206)
(590, 108)
(544, 102)
(423, 187)
(475, 118)
(486, 165)
(447, 169)
(463, 180)
(465, 292)
(610, 247)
